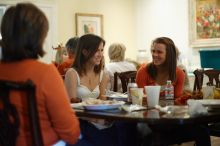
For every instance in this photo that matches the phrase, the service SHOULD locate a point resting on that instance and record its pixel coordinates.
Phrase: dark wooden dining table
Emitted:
(155, 118)
(179, 116)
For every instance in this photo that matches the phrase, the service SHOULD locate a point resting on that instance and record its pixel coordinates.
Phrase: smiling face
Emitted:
(158, 52)
(89, 54)
(97, 58)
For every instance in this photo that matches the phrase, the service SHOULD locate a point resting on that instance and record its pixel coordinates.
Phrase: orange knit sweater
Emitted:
(144, 79)
(57, 119)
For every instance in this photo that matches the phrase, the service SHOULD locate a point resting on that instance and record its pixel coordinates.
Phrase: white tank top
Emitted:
(84, 92)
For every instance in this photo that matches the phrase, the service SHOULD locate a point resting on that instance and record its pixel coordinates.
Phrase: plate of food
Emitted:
(97, 104)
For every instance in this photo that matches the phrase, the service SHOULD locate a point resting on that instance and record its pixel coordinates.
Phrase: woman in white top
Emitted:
(86, 79)
(117, 63)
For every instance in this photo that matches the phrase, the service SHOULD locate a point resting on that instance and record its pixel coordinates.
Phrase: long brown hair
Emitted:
(24, 28)
(90, 43)
(171, 58)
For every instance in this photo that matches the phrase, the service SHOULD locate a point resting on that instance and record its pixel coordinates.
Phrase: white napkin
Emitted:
(166, 109)
(132, 107)
(196, 108)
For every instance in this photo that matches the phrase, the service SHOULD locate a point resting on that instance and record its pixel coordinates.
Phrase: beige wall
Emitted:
(132, 22)
(169, 19)
(119, 24)
(49, 8)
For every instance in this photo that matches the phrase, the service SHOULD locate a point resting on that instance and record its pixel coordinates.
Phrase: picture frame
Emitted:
(89, 23)
(204, 23)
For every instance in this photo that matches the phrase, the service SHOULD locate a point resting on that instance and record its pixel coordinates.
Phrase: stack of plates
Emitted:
(118, 96)
(212, 104)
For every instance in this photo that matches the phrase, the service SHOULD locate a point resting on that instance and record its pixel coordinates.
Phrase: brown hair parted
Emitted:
(89, 43)
(171, 58)
(116, 52)
(24, 28)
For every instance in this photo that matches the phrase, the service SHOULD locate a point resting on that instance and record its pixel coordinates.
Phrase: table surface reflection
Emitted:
(152, 116)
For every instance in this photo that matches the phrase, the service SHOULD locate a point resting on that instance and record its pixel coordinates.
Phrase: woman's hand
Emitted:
(75, 100)
(103, 97)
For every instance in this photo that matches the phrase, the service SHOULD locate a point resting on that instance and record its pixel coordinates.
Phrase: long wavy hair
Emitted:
(90, 43)
(171, 58)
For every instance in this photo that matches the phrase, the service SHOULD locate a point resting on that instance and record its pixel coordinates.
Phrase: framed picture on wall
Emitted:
(89, 23)
(204, 23)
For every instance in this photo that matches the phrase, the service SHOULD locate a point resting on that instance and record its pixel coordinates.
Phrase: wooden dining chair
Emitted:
(198, 82)
(9, 117)
(200, 74)
(125, 77)
(213, 76)
(213, 80)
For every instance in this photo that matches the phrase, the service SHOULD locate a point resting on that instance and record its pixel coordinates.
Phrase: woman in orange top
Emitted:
(24, 28)
(163, 67)
(71, 50)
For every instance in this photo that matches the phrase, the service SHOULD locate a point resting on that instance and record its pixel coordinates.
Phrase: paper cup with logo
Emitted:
(152, 93)
(137, 95)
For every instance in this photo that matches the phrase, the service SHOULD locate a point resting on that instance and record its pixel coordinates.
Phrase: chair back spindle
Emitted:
(125, 77)
(9, 118)
(198, 79)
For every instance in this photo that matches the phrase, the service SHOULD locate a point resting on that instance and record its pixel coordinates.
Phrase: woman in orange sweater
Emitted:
(162, 68)
(24, 28)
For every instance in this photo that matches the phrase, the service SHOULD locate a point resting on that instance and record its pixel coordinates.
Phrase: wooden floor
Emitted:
(215, 141)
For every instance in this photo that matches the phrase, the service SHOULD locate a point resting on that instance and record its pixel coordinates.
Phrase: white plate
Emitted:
(103, 106)
(121, 97)
(118, 96)
(77, 105)
(214, 103)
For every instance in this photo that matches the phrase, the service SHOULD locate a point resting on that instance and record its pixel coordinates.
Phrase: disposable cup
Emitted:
(152, 93)
(137, 95)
